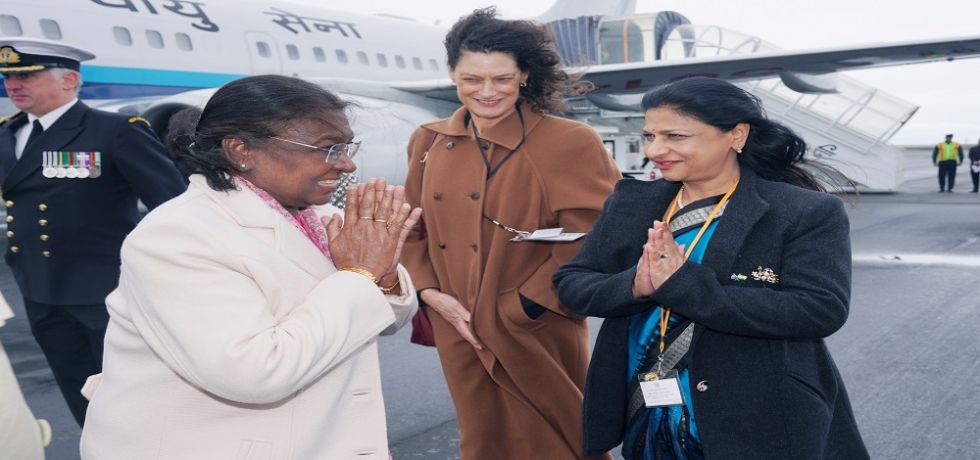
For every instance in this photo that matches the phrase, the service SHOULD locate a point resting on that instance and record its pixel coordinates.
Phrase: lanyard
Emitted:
(483, 153)
(665, 312)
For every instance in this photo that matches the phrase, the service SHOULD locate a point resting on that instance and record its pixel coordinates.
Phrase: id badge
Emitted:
(661, 390)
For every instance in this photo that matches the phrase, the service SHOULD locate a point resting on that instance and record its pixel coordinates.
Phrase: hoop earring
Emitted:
(524, 84)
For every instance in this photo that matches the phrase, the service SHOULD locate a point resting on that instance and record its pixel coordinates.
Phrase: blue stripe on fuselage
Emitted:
(101, 82)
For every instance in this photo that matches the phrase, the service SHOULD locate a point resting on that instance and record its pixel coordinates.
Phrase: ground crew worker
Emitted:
(946, 155)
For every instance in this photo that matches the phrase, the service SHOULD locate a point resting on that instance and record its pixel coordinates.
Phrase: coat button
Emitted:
(43, 207)
(450, 145)
(10, 234)
(10, 204)
(14, 249)
(10, 218)
(46, 253)
(437, 195)
(44, 238)
(703, 386)
(475, 195)
(42, 222)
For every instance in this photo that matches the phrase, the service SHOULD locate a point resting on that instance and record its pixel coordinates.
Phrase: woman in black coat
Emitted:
(753, 273)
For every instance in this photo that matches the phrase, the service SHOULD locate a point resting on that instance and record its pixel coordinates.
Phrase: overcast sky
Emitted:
(946, 91)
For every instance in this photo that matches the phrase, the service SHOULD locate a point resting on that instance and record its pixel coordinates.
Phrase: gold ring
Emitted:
(381, 220)
(388, 224)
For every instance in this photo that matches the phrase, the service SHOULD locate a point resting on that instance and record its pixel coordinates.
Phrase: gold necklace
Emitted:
(680, 204)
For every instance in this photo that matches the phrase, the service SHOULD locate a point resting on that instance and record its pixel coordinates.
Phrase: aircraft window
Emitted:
(154, 39)
(362, 58)
(319, 55)
(184, 41)
(341, 56)
(382, 60)
(10, 25)
(400, 62)
(50, 29)
(122, 36)
(417, 63)
(293, 52)
(433, 65)
(263, 49)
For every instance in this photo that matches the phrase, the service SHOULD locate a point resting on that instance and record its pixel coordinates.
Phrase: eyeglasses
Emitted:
(333, 152)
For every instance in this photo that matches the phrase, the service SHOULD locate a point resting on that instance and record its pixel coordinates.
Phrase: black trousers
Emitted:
(947, 170)
(976, 179)
(72, 339)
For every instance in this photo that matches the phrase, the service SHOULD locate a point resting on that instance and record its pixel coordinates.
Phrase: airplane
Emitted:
(157, 56)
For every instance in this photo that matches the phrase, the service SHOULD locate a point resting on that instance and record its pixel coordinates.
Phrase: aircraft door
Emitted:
(264, 53)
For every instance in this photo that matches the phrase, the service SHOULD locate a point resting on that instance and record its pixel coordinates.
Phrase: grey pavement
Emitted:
(909, 353)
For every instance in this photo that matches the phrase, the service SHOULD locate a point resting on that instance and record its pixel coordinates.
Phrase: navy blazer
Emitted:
(64, 235)
(765, 385)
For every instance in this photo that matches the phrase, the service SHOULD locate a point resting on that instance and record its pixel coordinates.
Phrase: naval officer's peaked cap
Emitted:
(26, 55)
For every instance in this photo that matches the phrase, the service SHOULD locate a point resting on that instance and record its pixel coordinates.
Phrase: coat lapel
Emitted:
(250, 211)
(58, 135)
(744, 210)
(8, 143)
(508, 133)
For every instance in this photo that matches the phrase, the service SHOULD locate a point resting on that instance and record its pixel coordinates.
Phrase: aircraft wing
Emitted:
(441, 88)
(641, 76)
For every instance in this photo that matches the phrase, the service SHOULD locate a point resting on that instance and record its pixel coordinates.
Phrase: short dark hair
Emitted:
(251, 109)
(531, 45)
(772, 150)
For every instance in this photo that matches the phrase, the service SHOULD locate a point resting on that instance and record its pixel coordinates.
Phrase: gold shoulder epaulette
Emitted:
(8, 117)
(136, 119)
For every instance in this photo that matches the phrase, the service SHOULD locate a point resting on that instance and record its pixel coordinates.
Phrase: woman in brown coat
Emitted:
(515, 358)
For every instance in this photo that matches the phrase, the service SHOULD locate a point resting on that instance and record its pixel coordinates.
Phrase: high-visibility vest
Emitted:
(949, 151)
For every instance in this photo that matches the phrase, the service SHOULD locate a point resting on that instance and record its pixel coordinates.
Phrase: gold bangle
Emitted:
(388, 290)
(362, 271)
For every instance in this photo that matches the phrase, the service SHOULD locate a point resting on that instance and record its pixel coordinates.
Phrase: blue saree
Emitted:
(667, 433)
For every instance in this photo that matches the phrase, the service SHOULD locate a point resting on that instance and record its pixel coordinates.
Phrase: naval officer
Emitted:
(70, 177)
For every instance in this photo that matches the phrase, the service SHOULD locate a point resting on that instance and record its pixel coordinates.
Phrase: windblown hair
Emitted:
(772, 150)
(251, 109)
(531, 45)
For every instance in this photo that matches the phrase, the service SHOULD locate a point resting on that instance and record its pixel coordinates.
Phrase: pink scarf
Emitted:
(305, 220)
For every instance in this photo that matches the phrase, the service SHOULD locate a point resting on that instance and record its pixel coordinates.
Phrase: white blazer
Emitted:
(233, 337)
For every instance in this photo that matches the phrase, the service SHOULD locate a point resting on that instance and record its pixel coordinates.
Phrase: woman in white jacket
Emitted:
(244, 326)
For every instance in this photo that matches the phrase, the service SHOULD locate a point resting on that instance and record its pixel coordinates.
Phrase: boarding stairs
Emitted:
(848, 130)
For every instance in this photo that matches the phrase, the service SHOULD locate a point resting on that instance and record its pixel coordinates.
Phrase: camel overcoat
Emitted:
(521, 396)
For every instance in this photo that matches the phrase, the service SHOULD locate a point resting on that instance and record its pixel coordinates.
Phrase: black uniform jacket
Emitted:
(764, 384)
(64, 235)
